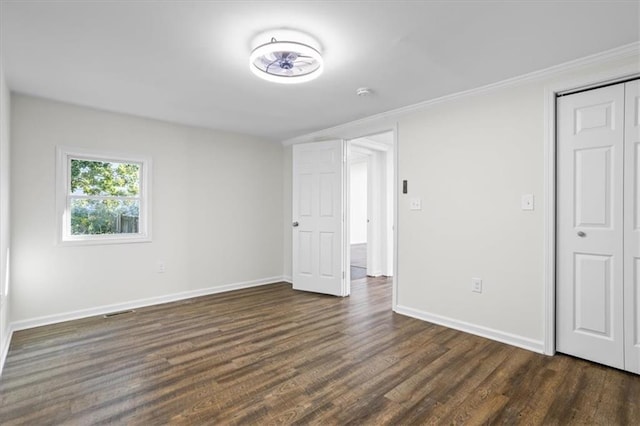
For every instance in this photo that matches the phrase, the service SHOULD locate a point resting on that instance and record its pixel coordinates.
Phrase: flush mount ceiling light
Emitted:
(286, 60)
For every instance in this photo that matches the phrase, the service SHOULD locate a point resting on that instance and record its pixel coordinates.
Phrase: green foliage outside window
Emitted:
(104, 197)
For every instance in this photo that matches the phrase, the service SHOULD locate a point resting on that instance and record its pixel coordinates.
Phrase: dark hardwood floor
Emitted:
(271, 355)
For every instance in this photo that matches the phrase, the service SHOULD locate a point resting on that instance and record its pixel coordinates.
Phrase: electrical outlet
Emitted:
(526, 202)
(160, 267)
(476, 285)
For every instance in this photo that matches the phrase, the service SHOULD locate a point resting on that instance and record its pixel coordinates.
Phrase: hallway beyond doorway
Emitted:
(358, 261)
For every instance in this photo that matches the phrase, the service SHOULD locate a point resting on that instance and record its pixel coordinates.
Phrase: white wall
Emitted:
(470, 158)
(217, 211)
(4, 217)
(469, 161)
(358, 202)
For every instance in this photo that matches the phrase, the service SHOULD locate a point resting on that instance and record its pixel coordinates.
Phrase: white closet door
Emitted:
(632, 226)
(590, 225)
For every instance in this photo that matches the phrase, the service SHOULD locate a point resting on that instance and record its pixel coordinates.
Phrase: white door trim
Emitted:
(396, 197)
(550, 146)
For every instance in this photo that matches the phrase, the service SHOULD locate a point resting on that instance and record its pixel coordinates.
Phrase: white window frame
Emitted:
(63, 198)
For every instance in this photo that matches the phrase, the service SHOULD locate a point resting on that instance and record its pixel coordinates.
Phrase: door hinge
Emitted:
(344, 275)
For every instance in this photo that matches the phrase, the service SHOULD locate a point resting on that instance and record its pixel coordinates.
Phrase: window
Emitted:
(103, 198)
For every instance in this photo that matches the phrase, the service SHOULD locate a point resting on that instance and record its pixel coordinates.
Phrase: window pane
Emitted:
(92, 217)
(104, 178)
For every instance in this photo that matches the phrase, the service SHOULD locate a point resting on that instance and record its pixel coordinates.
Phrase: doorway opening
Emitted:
(358, 214)
(370, 206)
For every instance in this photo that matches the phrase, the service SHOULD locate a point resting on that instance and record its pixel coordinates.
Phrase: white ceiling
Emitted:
(187, 61)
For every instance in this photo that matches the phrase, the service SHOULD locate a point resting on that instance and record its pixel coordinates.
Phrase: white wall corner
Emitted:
(478, 330)
(5, 216)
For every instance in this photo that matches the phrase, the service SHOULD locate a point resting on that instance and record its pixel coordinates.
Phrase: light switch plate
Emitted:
(527, 202)
(476, 285)
(415, 204)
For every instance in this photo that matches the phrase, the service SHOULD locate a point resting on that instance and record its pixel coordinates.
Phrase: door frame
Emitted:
(550, 167)
(348, 137)
(379, 183)
(393, 150)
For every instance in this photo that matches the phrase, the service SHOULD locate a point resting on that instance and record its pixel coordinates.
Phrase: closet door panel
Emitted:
(632, 227)
(589, 265)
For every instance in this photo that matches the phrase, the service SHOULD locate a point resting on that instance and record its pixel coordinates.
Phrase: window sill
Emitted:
(92, 241)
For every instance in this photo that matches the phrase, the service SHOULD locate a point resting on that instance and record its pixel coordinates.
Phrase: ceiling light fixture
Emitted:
(286, 61)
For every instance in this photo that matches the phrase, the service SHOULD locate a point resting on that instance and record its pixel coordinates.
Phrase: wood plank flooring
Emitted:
(270, 355)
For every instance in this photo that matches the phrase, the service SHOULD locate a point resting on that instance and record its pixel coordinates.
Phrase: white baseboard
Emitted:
(478, 330)
(4, 346)
(105, 309)
(287, 279)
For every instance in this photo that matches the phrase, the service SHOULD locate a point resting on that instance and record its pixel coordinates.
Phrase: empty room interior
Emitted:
(319, 212)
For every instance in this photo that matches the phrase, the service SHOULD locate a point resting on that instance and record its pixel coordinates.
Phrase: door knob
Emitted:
(581, 234)
(295, 224)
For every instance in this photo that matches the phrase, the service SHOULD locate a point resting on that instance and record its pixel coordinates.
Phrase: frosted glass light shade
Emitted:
(286, 62)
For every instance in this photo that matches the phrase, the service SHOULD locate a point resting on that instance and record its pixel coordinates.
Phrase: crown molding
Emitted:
(385, 119)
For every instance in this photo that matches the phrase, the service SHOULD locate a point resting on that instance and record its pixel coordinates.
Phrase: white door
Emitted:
(632, 226)
(318, 211)
(590, 225)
